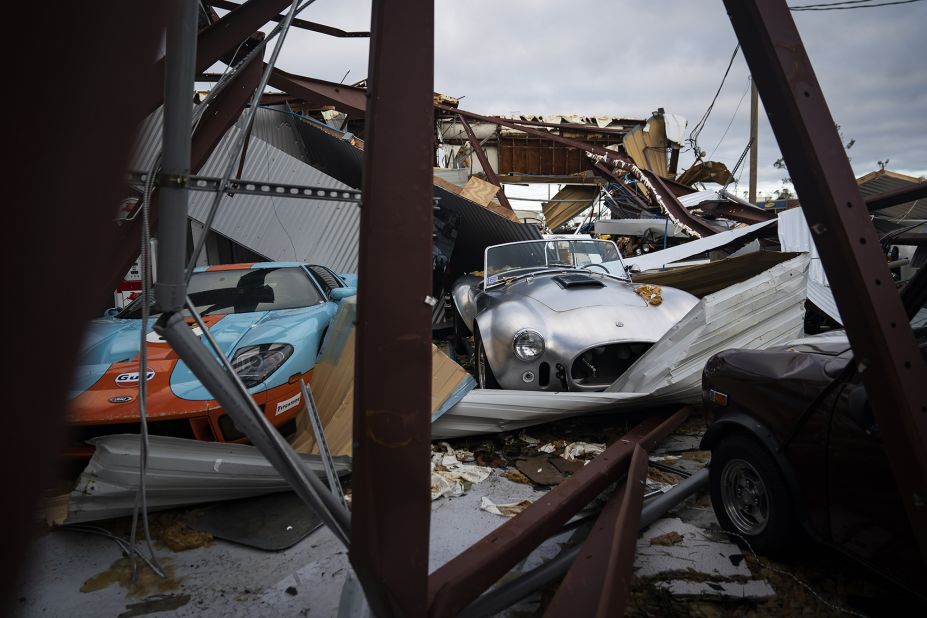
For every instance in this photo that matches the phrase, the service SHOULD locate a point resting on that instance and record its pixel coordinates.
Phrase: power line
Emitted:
(733, 116)
(849, 4)
(693, 136)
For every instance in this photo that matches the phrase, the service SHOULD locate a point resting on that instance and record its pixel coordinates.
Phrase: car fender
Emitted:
(741, 422)
(499, 324)
(464, 298)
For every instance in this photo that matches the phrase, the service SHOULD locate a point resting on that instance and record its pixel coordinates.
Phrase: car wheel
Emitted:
(484, 375)
(460, 333)
(749, 494)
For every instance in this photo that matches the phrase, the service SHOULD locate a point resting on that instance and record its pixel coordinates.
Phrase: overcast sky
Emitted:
(630, 57)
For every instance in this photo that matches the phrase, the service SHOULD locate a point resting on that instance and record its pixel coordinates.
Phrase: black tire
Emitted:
(484, 375)
(749, 494)
(460, 332)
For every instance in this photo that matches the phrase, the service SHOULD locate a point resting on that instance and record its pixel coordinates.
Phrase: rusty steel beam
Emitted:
(347, 99)
(896, 196)
(484, 162)
(392, 389)
(221, 114)
(296, 23)
(884, 347)
(461, 580)
(598, 582)
(582, 128)
(737, 212)
(215, 41)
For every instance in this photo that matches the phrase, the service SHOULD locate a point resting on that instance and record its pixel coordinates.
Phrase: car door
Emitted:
(867, 517)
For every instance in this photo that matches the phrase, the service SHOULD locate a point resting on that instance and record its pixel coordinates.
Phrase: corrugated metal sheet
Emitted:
(883, 181)
(333, 153)
(280, 228)
(276, 126)
(558, 211)
(478, 228)
(180, 473)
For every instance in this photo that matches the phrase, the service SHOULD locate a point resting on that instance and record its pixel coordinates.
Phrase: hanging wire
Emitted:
(697, 129)
(733, 116)
(842, 6)
(141, 498)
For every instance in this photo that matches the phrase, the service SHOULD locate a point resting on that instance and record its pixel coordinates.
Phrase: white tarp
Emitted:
(658, 259)
(794, 235)
(764, 311)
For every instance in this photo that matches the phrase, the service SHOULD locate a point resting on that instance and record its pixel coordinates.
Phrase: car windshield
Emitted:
(243, 291)
(514, 259)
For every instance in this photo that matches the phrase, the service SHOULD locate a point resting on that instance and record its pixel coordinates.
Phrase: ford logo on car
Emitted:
(121, 399)
(132, 377)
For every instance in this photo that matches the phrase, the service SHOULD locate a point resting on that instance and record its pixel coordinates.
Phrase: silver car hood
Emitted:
(570, 290)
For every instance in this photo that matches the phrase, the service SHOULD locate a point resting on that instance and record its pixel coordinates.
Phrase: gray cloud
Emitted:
(631, 57)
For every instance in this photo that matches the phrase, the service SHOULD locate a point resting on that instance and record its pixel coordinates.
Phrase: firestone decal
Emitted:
(288, 404)
(132, 377)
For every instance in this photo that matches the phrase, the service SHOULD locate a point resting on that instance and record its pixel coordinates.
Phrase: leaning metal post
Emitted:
(392, 419)
(884, 348)
(170, 290)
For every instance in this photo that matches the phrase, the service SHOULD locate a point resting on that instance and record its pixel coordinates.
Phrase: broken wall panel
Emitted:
(528, 154)
(567, 203)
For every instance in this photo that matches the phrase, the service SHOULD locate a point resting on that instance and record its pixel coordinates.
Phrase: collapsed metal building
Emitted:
(389, 522)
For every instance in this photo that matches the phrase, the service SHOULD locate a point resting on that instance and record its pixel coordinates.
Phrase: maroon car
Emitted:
(795, 444)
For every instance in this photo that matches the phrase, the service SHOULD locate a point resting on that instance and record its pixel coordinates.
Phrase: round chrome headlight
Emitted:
(528, 344)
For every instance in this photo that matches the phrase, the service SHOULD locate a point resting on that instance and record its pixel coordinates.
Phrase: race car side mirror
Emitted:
(342, 293)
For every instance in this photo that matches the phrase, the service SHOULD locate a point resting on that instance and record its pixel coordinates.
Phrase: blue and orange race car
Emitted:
(269, 318)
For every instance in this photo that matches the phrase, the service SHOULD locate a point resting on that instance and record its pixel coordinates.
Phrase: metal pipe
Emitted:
(170, 289)
(223, 383)
(526, 584)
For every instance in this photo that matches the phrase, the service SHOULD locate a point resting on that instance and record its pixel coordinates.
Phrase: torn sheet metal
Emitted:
(180, 472)
(794, 235)
(703, 279)
(764, 311)
(639, 227)
(659, 259)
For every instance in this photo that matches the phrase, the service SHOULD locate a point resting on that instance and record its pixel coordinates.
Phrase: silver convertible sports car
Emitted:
(550, 315)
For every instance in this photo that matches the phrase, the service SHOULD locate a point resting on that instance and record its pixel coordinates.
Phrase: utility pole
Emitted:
(754, 105)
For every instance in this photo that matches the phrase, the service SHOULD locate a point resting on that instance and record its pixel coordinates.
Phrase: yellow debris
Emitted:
(653, 294)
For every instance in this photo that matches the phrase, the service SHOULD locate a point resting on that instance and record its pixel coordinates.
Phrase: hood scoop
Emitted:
(578, 280)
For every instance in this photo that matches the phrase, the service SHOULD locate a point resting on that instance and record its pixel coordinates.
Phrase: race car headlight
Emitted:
(255, 363)
(528, 344)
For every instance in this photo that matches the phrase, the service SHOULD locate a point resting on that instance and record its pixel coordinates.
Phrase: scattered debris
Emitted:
(653, 294)
(579, 449)
(506, 510)
(670, 538)
(147, 581)
(539, 470)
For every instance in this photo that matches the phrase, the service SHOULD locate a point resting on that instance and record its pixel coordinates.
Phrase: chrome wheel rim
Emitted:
(745, 497)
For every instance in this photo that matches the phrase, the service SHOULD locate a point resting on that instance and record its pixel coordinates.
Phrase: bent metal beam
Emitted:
(884, 348)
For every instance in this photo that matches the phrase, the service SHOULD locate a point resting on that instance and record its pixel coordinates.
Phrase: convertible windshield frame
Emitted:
(508, 261)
